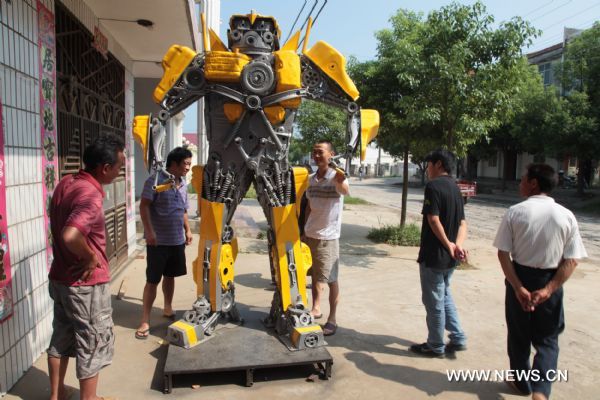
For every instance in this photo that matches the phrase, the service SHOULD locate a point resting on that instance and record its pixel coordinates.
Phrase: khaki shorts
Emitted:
(325, 258)
(82, 326)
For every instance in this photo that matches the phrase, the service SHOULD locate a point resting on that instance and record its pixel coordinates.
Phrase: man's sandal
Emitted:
(140, 335)
(329, 329)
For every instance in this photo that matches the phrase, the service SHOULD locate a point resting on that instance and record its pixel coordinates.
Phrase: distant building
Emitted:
(514, 163)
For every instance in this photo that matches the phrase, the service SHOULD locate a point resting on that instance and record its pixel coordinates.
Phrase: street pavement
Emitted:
(380, 316)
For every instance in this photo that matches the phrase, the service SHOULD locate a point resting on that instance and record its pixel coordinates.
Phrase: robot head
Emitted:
(253, 34)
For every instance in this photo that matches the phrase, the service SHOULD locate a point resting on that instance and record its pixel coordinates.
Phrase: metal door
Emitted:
(90, 102)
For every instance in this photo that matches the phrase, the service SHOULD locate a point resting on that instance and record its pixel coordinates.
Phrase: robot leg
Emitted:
(289, 312)
(213, 274)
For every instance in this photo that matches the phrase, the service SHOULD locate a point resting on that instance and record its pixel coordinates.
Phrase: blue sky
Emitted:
(349, 25)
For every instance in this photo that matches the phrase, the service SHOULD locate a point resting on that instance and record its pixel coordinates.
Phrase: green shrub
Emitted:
(354, 200)
(190, 189)
(409, 235)
(251, 193)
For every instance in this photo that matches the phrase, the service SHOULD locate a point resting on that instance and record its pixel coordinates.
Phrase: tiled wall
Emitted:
(24, 336)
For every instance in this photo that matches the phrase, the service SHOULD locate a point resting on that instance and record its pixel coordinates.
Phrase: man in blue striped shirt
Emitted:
(167, 232)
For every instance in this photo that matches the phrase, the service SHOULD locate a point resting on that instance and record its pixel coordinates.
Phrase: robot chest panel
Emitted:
(260, 76)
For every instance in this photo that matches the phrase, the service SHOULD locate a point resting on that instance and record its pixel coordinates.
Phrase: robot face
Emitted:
(253, 34)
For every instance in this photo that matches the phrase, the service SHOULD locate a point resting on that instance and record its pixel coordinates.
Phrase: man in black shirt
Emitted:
(443, 232)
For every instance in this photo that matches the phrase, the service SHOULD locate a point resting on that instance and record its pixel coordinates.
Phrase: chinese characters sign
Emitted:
(47, 69)
(6, 304)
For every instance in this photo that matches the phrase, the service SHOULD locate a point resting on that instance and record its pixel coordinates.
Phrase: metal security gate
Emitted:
(90, 102)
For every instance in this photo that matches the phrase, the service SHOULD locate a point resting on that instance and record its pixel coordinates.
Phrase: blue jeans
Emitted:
(440, 308)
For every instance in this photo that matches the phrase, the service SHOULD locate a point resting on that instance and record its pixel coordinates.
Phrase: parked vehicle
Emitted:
(467, 189)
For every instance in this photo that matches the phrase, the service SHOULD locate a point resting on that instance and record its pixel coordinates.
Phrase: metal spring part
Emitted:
(227, 181)
(205, 189)
(278, 184)
(214, 187)
(288, 187)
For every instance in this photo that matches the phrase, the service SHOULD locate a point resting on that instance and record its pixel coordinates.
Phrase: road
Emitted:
(483, 213)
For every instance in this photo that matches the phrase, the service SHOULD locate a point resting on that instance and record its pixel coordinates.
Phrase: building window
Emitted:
(547, 73)
(493, 161)
(573, 162)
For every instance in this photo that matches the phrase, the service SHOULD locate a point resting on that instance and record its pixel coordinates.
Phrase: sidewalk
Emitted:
(380, 316)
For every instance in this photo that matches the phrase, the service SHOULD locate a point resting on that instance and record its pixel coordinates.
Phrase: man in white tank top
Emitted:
(325, 192)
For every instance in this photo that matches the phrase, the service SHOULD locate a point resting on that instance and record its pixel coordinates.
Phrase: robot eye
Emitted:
(252, 38)
(236, 35)
(267, 37)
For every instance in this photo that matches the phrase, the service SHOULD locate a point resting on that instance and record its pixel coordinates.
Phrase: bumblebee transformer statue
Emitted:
(252, 90)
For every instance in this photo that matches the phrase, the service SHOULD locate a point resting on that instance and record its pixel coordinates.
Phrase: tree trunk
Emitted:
(379, 161)
(404, 188)
(504, 169)
(580, 176)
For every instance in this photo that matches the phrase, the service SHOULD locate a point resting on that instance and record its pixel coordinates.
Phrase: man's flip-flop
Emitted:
(329, 329)
(143, 334)
(169, 316)
(318, 316)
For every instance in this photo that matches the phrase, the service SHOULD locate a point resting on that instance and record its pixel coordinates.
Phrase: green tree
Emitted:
(580, 73)
(318, 121)
(444, 80)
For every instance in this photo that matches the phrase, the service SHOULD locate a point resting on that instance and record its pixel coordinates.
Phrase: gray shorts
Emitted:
(325, 259)
(82, 326)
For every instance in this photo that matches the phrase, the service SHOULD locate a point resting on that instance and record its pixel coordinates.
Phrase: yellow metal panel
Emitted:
(288, 74)
(292, 43)
(308, 329)
(303, 330)
(301, 183)
(224, 66)
(226, 266)
(197, 178)
(307, 257)
(252, 17)
(234, 247)
(176, 59)
(333, 64)
(205, 41)
(307, 35)
(215, 42)
(211, 225)
(141, 132)
(369, 127)
(188, 329)
(233, 111)
(285, 224)
(197, 274)
(275, 114)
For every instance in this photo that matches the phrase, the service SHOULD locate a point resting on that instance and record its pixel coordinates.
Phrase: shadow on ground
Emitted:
(430, 382)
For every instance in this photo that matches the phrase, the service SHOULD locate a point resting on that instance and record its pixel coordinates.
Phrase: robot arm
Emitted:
(182, 84)
(324, 79)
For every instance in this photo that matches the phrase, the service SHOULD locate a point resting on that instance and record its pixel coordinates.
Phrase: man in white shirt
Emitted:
(325, 192)
(538, 246)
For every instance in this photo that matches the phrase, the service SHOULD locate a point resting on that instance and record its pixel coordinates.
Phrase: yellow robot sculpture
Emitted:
(252, 88)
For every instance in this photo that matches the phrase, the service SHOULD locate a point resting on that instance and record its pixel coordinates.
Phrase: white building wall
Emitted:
(25, 336)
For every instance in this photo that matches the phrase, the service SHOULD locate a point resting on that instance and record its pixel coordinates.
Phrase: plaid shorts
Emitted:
(82, 326)
(326, 259)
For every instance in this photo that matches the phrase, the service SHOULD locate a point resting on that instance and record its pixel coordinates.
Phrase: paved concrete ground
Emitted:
(380, 315)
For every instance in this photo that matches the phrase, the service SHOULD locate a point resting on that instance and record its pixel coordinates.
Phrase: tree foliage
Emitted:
(456, 74)
(318, 121)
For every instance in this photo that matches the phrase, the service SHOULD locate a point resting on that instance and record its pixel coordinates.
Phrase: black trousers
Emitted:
(539, 328)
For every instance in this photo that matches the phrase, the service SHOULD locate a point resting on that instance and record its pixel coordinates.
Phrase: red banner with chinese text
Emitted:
(6, 303)
(47, 70)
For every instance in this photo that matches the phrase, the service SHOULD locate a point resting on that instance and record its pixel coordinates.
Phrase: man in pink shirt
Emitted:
(80, 275)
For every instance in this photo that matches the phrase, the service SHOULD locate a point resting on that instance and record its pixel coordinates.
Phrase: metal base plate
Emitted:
(240, 348)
